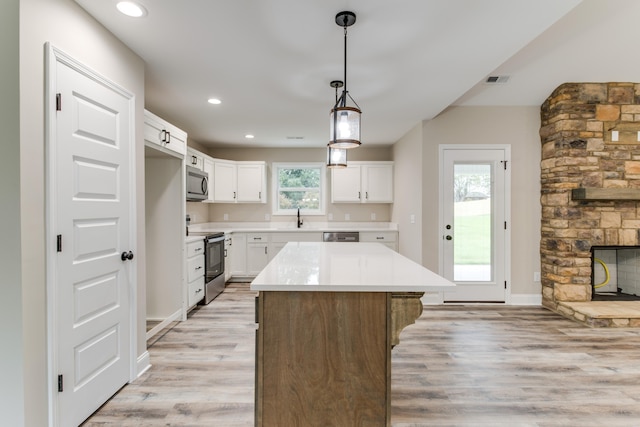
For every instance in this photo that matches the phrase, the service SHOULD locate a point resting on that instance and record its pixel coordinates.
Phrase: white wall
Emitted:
(68, 27)
(517, 126)
(407, 183)
(12, 399)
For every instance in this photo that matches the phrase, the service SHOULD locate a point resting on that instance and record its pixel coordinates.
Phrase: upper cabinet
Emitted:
(362, 182)
(239, 182)
(163, 134)
(195, 159)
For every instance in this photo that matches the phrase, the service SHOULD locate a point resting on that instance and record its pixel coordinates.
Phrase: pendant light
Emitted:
(336, 157)
(345, 120)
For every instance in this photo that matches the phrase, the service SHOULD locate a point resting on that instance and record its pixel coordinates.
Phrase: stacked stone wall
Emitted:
(579, 150)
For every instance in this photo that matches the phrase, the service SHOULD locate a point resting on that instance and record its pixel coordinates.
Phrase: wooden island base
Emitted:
(324, 358)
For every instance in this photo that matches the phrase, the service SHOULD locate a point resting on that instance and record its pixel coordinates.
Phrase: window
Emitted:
(298, 185)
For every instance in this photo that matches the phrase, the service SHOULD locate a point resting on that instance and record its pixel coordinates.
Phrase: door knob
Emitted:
(126, 256)
(448, 237)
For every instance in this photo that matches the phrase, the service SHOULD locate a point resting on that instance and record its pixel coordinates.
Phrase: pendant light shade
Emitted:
(336, 157)
(344, 120)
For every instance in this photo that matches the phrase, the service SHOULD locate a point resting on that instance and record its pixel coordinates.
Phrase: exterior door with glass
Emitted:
(474, 228)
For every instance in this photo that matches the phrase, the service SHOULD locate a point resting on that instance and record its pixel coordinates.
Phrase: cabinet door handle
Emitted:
(265, 250)
(257, 238)
(194, 160)
(162, 134)
(380, 238)
(366, 195)
(198, 290)
(359, 195)
(259, 194)
(198, 267)
(234, 194)
(198, 249)
(168, 137)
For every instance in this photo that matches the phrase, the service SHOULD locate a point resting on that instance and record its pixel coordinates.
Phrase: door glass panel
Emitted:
(472, 250)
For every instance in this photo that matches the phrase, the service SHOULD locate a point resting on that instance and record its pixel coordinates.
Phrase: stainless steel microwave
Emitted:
(197, 185)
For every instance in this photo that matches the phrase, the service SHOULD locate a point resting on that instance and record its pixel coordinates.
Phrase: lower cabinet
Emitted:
(257, 252)
(387, 238)
(195, 272)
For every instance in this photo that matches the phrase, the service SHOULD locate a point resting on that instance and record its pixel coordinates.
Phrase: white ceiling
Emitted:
(271, 61)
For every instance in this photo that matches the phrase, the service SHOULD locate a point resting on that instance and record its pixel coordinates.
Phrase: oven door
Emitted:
(214, 257)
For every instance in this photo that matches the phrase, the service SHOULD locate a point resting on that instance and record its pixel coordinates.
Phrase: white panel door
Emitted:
(474, 228)
(91, 160)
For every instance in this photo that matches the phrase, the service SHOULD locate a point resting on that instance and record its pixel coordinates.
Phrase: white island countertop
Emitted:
(345, 267)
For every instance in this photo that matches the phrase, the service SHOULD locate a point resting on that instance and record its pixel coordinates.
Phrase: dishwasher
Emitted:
(341, 236)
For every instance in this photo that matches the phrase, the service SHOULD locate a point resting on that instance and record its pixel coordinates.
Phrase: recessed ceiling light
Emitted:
(133, 9)
(214, 101)
(249, 136)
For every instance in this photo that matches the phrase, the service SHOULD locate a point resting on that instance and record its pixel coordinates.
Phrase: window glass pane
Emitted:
(472, 222)
(305, 199)
(301, 177)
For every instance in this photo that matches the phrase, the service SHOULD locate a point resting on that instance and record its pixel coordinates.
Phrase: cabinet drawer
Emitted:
(196, 291)
(257, 237)
(195, 267)
(195, 248)
(382, 236)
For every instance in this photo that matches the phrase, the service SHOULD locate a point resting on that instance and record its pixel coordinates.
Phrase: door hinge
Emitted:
(505, 284)
(58, 102)
(59, 242)
(505, 225)
(60, 383)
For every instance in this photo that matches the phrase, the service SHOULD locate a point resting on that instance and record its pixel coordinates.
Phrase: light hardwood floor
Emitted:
(457, 366)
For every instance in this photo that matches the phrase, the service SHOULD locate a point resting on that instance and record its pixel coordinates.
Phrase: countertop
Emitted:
(189, 239)
(345, 267)
(288, 227)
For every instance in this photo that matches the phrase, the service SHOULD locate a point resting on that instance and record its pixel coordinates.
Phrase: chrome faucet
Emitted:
(299, 220)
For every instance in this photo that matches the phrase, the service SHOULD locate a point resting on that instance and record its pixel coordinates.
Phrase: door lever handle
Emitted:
(448, 237)
(126, 256)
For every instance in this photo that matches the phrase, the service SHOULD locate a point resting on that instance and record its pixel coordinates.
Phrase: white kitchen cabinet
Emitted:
(251, 182)
(362, 182)
(257, 252)
(224, 181)
(195, 272)
(163, 134)
(195, 158)
(227, 255)
(238, 254)
(239, 182)
(208, 168)
(387, 238)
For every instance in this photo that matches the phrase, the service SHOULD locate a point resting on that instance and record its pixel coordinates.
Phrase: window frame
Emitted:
(275, 184)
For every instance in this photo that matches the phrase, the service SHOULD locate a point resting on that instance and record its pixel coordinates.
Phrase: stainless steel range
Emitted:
(213, 266)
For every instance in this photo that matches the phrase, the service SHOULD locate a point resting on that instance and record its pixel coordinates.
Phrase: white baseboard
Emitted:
(526, 299)
(435, 298)
(177, 316)
(144, 363)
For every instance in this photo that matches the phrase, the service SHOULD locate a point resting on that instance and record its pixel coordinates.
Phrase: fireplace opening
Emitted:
(615, 273)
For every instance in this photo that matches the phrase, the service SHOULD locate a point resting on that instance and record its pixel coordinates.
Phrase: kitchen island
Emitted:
(328, 315)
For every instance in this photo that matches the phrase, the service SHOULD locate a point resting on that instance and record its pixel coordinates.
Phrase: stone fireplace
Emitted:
(590, 183)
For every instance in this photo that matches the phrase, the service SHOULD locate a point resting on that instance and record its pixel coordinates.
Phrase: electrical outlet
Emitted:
(412, 219)
(225, 217)
(373, 216)
(536, 276)
(347, 217)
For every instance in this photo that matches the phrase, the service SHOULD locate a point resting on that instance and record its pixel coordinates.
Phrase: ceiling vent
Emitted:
(492, 80)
